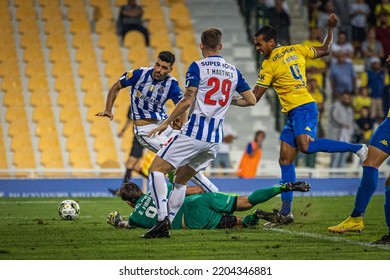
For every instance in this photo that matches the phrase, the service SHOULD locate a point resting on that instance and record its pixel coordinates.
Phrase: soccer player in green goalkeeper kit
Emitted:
(201, 210)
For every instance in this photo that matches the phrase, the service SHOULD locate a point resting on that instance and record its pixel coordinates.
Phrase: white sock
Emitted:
(159, 191)
(176, 199)
(203, 182)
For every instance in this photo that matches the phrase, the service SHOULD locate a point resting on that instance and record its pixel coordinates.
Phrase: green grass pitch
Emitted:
(31, 229)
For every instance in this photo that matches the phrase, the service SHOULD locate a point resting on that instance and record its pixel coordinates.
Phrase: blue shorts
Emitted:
(381, 137)
(300, 120)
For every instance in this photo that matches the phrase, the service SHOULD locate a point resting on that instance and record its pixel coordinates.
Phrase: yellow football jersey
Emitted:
(285, 70)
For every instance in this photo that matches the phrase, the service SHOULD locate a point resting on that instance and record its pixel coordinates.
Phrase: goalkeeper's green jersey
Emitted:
(145, 213)
(200, 211)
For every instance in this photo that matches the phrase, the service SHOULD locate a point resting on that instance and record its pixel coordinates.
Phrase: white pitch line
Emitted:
(43, 202)
(331, 238)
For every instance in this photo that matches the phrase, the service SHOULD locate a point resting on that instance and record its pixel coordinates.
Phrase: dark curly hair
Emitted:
(130, 192)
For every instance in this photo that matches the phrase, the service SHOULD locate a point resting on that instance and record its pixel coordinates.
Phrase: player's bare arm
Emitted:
(248, 99)
(325, 48)
(388, 59)
(184, 104)
(111, 97)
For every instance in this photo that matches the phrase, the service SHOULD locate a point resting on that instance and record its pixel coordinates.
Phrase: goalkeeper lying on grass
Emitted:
(203, 210)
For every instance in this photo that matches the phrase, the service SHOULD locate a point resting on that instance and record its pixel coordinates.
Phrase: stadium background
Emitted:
(57, 62)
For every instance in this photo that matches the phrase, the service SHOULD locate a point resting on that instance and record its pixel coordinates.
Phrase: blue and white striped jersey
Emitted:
(148, 96)
(216, 81)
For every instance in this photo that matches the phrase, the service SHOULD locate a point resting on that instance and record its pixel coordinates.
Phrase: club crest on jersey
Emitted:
(129, 74)
(161, 90)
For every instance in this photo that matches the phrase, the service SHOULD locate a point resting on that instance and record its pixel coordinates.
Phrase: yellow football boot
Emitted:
(354, 224)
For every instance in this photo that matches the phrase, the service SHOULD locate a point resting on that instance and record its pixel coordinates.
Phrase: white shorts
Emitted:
(156, 142)
(182, 150)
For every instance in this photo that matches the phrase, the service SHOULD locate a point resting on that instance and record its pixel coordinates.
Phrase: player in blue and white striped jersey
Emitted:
(150, 89)
(210, 85)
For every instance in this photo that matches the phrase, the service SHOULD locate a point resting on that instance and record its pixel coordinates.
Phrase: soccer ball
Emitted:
(69, 210)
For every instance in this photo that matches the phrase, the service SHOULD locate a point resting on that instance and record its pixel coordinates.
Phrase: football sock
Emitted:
(202, 181)
(288, 175)
(250, 220)
(387, 206)
(159, 192)
(365, 191)
(262, 195)
(332, 146)
(127, 175)
(176, 199)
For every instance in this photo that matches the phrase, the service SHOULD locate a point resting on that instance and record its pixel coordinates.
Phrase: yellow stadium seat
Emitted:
(152, 13)
(45, 128)
(52, 11)
(14, 113)
(184, 41)
(113, 70)
(62, 71)
(42, 113)
(48, 3)
(107, 158)
(80, 26)
(75, 142)
(28, 26)
(65, 99)
(48, 142)
(52, 158)
(101, 127)
(8, 54)
(24, 13)
(134, 39)
(60, 55)
(24, 158)
(20, 142)
(127, 140)
(105, 26)
(54, 26)
(86, 55)
(32, 54)
(56, 40)
(38, 83)
(13, 98)
(80, 159)
(73, 127)
(138, 56)
(40, 98)
(87, 69)
(24, 3)
(119, 3)
(11, 83)
(3, 154)
(64, 83)
(70, 112)
(35, 68)
(18, 128)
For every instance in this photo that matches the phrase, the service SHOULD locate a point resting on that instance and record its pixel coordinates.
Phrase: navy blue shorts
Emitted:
(381, 137)
(300, 120)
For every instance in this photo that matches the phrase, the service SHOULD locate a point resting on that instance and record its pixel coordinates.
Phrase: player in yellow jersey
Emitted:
(378, 152)
(284, 69)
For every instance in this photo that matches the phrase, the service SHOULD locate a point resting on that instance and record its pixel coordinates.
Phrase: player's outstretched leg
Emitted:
(295, 186)
(161, 229)
(253, 219)
(288, 187)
